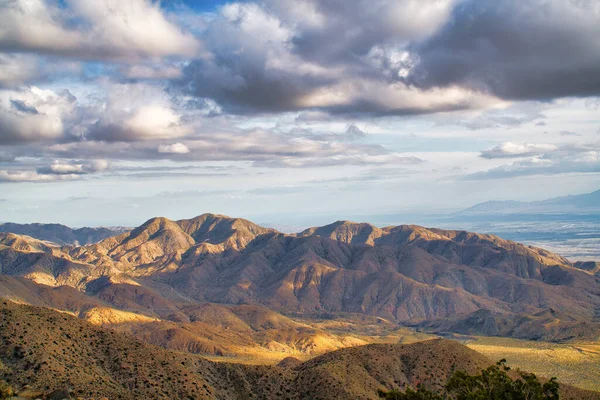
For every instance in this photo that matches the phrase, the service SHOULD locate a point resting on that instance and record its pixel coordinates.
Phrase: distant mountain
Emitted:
(405, 274)
(48, 354)
(61, 234)
(583, 203)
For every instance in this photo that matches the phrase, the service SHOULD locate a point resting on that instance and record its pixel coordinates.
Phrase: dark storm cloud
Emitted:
(515, 49)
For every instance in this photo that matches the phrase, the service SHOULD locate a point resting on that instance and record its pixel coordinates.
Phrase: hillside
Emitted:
(406, 274)
(52, 351)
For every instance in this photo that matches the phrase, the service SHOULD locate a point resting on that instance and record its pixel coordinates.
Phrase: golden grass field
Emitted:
(577, 364)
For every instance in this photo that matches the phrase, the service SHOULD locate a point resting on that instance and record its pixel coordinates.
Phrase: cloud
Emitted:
(6, 157)
(353, 132)
(152, 121)
(568, 158)
(58, 170)
(514, 50)
(510, 149)
(257, 147)
(59, 167)
(351, 159)
(33, 114)
(16, 69)
(92, 29)
(150, 72)
(33, 176)
(321, 56)
(176, 148)
(569, 133)
(331, 31)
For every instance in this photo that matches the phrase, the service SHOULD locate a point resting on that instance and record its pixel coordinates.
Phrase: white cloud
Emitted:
(510, 149)
(33, 114)
(93, 29)
(33, 176)
(16, 69)
(61, 167)
(568, 158)
(175, 148)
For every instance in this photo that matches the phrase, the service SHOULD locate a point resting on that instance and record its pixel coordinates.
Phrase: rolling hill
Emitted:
(47, 352)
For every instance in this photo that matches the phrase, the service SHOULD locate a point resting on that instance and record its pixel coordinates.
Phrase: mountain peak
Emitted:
(347, 231)
(220, 229)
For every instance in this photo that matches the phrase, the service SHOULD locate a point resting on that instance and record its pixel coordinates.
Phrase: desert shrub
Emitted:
(492, 383)
(421, 394)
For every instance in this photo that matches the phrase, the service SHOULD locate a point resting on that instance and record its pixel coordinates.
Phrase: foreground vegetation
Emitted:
(493, 383)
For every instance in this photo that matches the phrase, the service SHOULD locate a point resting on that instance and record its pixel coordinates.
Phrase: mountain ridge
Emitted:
(584, 203)
(61, 234)
(405, 273)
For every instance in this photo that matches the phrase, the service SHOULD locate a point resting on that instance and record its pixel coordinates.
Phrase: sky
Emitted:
(113, 111)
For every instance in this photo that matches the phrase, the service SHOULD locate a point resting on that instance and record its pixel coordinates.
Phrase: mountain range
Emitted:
(182, 283)
(61, 234)
(582, 204)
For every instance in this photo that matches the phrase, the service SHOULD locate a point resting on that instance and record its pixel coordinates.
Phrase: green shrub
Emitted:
(493, 383)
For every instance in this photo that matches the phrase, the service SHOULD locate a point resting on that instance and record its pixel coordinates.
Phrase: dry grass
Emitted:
(577, 364)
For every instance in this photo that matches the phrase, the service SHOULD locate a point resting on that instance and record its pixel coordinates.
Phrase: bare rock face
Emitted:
(406, 274)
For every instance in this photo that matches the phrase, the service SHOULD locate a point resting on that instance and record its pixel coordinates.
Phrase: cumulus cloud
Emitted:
(33, 114)
(397, 58)
(152, 121)
(333, 31)
(281, 58)
(514, 50)
(92, 29)
(16, 69)
(510, 149)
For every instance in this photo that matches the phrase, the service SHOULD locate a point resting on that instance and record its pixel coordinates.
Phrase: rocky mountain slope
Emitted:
(440, 280)
(51, 351)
